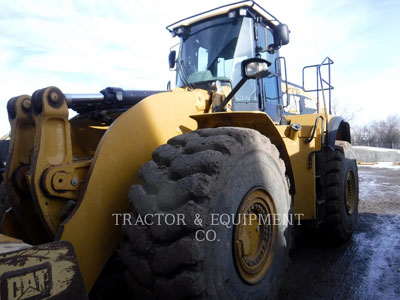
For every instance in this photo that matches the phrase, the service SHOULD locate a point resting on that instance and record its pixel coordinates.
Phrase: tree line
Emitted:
(383, 133)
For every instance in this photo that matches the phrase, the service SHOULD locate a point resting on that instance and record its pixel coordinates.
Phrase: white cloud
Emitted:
(375, 95)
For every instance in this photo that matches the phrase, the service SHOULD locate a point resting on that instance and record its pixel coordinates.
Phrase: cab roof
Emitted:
(252, 7)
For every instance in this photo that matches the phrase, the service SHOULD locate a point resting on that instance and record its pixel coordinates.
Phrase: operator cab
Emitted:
(213, 48)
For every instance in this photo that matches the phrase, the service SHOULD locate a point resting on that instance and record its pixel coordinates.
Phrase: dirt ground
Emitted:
(368, 267)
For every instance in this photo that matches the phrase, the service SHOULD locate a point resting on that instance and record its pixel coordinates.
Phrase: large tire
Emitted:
(203, 172)
(341, 193)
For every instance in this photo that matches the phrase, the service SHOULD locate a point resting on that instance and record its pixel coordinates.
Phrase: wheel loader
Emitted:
(178, 184)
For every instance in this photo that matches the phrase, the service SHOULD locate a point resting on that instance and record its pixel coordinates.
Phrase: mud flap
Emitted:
(48, 271)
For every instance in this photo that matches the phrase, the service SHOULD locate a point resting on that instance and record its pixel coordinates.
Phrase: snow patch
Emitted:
(385, 165)
(377, 149)
(373, 154)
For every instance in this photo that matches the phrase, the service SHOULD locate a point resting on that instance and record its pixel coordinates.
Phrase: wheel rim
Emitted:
(350, 191)
(254, 236)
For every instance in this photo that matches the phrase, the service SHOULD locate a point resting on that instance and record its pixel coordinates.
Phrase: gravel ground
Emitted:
(368, 267)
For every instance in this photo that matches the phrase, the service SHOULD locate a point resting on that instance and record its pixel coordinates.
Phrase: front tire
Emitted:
(209, 171)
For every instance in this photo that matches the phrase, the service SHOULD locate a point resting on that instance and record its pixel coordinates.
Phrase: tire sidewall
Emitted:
(348, 221)
(255, 169)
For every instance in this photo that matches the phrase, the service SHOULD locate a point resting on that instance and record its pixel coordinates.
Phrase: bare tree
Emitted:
(344, 110)
(362, 136)
(383, 133)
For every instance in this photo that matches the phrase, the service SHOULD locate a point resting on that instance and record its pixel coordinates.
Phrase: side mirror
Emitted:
(281, 37)
(281, 34)
(171, 59)
(254, 68)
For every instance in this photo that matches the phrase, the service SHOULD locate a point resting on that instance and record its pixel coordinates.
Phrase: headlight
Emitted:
(254, 68)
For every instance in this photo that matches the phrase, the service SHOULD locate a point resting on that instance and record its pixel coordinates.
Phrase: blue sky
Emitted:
(83, 46)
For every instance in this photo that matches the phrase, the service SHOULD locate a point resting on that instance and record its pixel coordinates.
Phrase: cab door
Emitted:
(270, 86)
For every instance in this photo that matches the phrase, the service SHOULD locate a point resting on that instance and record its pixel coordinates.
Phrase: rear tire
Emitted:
(222, 170)
(341, 193)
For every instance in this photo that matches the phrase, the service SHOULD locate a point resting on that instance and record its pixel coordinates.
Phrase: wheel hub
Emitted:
(254, 236)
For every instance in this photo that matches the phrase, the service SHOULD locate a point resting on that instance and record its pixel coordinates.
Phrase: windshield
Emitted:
(207, 51)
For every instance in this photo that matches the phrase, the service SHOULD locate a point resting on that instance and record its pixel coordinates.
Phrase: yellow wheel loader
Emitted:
(195, 189)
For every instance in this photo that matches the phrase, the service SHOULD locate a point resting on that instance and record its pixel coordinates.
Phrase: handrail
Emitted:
(286, 81)
(322, 84)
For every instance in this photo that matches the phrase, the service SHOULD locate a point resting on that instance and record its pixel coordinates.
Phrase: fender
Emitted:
(338, 129)
(259, 121)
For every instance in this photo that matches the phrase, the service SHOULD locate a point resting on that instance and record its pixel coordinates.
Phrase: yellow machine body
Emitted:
(103, 162)
(67, 178)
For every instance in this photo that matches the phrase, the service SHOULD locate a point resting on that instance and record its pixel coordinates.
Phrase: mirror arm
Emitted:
(273, 47)
(221, 107)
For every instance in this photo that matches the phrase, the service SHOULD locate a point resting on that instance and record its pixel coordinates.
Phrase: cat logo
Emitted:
(25, 284)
